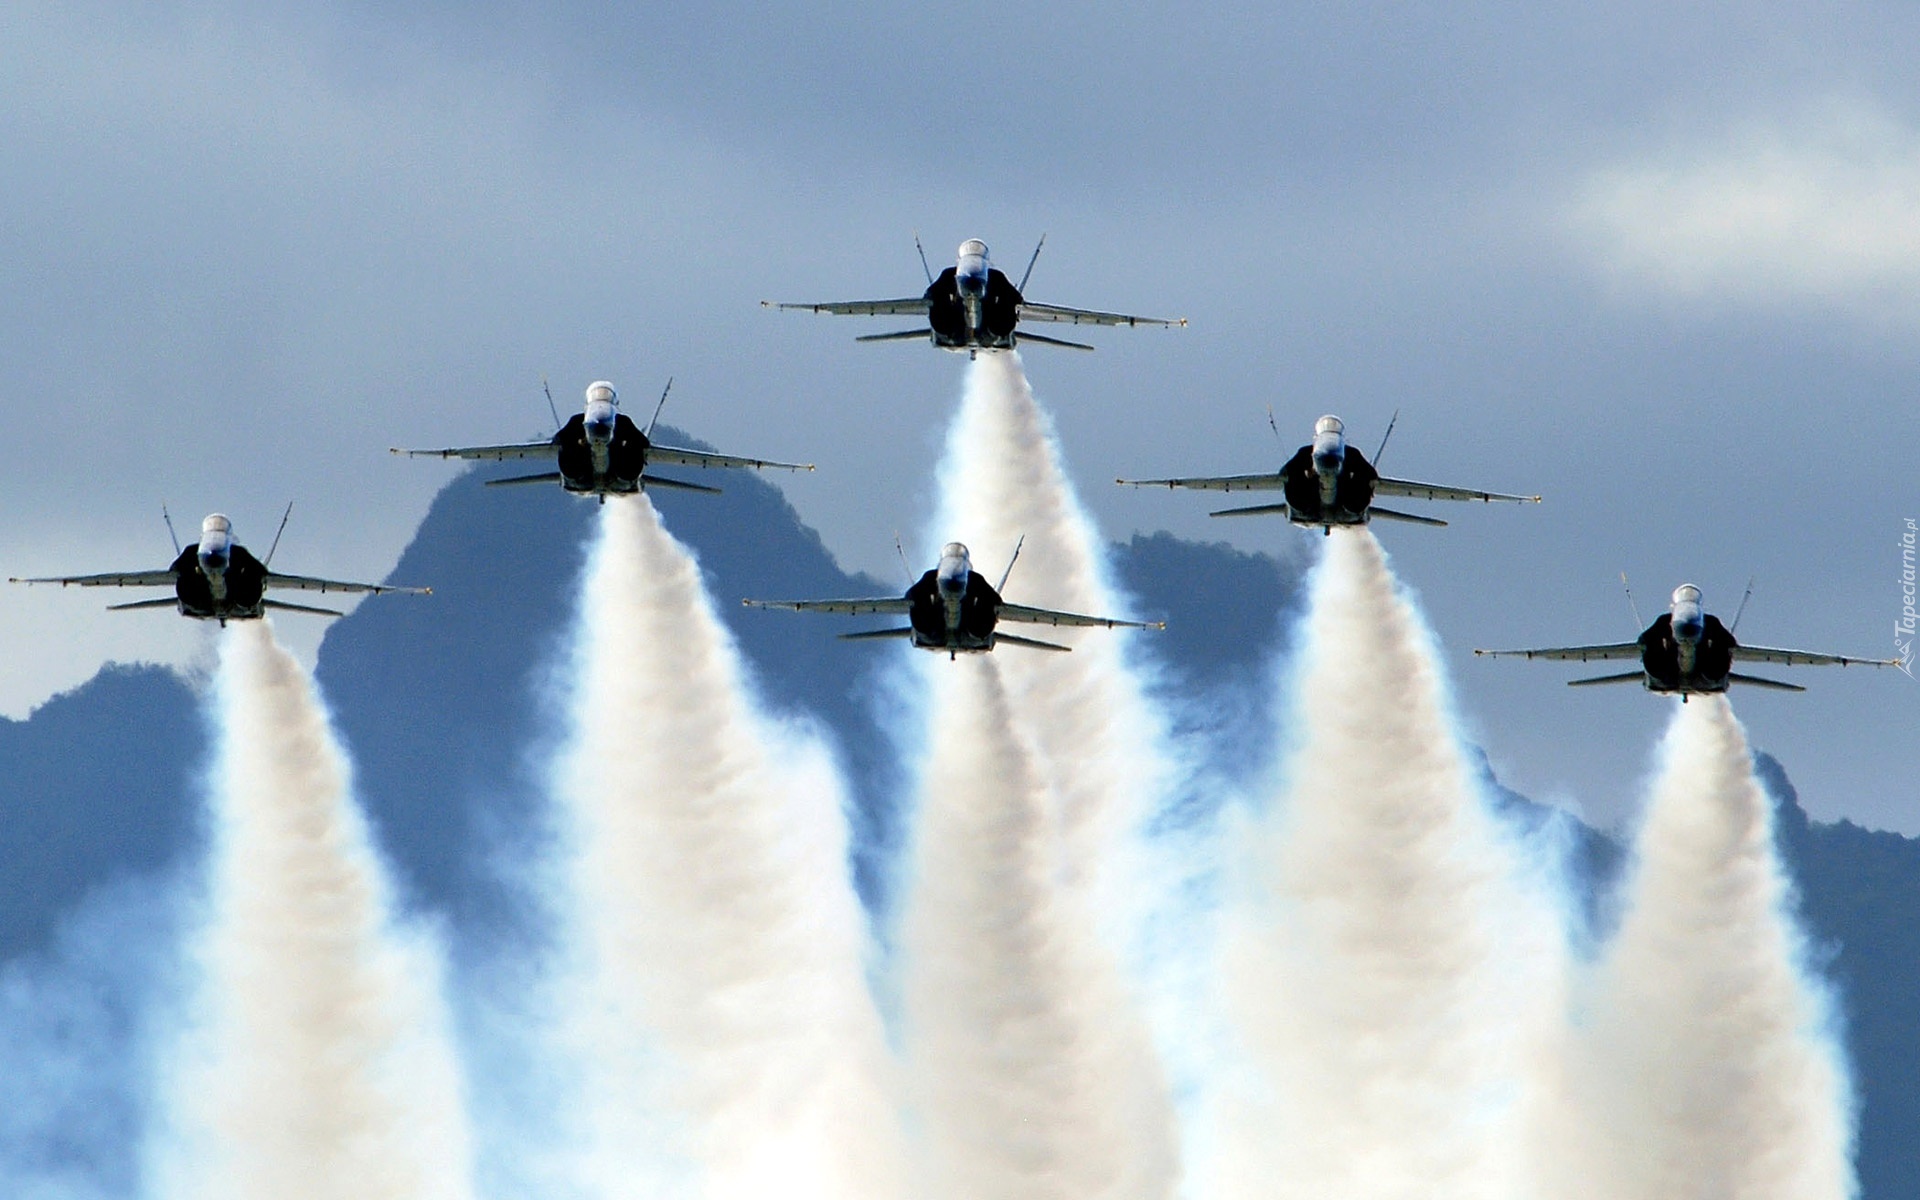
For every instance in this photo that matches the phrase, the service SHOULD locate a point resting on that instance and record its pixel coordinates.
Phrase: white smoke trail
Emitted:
(1390, 982)
(319, 1066)
(1705, 1067)
(1102, 748)
(730, 1047)
(1089, 768)
(1018, 1028)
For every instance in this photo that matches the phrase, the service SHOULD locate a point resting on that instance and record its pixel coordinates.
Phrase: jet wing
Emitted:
(1434, 491)
(1030, 311)
(700, 458)
(113, 579)
(310, 583)
(1047, 616)
(911, 306)
(1216, 483)
(1800, 658)
(489, 453)
(1572, 653)
(879, 604)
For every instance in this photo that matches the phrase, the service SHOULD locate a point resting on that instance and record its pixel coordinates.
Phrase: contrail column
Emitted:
(1707, 1066)
(319, 1065)
(718, 1004)
(1093, 747)
(1018, 1028)
(1101, 746)
(1391, 985)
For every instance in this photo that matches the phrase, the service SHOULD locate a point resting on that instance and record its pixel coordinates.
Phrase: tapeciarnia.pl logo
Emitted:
(1903, 626)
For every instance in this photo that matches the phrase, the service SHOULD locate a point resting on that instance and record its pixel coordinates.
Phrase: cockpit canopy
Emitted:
(1686, 593)
(1329, 424)
(954, 550)
(602, 392)
(973, 248)
(216, 523)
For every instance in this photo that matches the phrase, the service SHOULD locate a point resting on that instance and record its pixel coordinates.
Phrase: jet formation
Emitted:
(970, 307)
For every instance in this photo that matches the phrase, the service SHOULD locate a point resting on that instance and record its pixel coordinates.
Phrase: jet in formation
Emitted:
(1688, 652)
(952, 609)
(1327, 483)
(972, 306)
(218, 579)
(599, 452)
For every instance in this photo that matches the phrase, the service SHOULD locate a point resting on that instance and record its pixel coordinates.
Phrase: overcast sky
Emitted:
(1662, 266)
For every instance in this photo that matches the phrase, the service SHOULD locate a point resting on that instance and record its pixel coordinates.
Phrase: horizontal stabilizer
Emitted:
(1756, 681)
(549, 477)
(870, 634)
(1008, 639)
(283, 606)
(661, 481)
(1391, 515)
(905, 335)
(162, 602)
(1048, 341)
(1255, 510)
(1623, 677)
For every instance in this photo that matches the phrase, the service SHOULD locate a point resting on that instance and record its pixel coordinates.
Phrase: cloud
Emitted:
(1821, 210)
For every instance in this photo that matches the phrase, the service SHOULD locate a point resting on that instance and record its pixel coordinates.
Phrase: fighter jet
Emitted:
(953, 609)
(601, 452)
(972, 307)
(1328, 483)
(218, 579)
(1688, 652)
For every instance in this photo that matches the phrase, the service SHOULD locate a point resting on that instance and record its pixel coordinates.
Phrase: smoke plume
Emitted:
(318, 1066)
(718, 1005)
(1088, 767)
(1705, 1067)
(1100, 747)
(1390, 984)
(1025, 1054)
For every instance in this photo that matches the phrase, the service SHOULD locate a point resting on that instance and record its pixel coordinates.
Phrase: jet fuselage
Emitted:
(1327, 482)
(952, 608)
(1687, 651)
(600, 450)
(972, 305)
(218, 579)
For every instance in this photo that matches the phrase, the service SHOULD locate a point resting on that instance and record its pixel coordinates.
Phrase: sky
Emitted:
(1661, 266)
